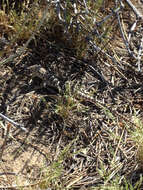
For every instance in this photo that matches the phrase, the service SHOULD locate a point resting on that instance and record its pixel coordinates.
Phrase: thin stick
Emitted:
(13, 122)
(138, 14)
(140, 55)
(5, 139)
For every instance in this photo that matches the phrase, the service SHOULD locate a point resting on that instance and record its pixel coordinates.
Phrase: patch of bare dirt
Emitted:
(119, 89)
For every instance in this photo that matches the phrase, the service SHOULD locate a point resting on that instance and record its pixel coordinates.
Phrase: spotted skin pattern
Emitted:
(40, 72)
(50, 80)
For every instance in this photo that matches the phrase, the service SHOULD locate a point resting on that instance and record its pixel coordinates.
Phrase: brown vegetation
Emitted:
(88, 134)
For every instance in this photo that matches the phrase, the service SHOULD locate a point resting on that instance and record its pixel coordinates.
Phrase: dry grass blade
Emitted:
(71, 73)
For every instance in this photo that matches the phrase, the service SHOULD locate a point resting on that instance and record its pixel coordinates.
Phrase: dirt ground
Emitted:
(51, 128)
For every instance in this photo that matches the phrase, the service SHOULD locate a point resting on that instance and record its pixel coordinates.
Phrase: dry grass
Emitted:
(88, 142)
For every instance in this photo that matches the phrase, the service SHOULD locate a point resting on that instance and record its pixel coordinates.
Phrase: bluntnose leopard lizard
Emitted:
(50, 80)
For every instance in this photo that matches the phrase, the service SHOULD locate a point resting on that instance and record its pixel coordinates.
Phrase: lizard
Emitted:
(50, 80)
(47, 78)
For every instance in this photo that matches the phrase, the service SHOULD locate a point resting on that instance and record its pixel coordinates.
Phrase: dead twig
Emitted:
(140, 55)
(13, 122)
(123, 36)
(5, 139)
(135, 10)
